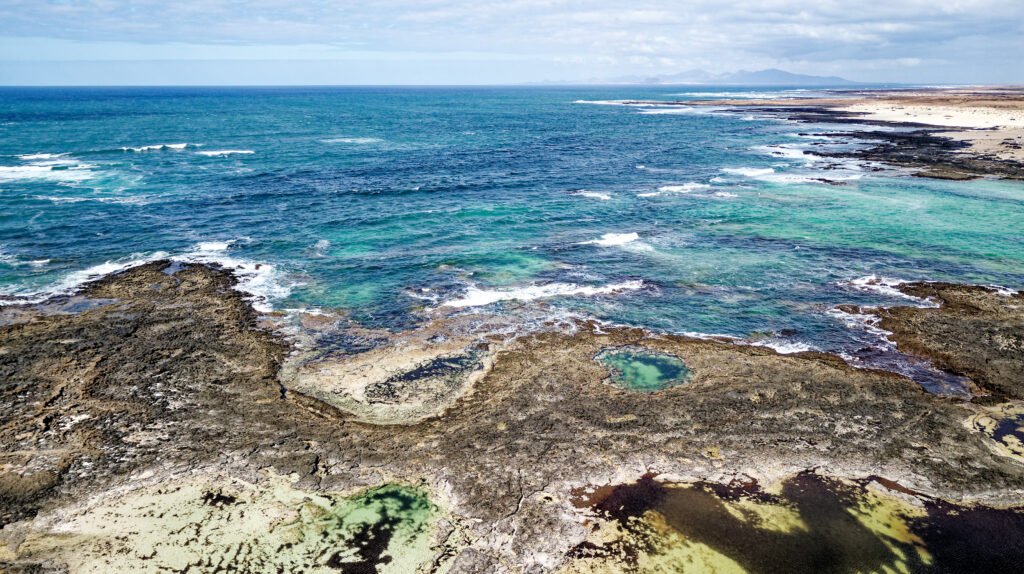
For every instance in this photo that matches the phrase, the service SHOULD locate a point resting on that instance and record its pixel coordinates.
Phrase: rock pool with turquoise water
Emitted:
(645, 370)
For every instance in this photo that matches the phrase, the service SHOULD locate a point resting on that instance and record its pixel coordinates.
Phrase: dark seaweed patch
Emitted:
(448, 371)
(371, 541)
(958, 538)
(334, 342)
(218, 499)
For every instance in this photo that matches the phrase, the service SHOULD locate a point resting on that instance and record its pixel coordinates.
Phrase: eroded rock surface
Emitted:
(976, 331)
(174, 382)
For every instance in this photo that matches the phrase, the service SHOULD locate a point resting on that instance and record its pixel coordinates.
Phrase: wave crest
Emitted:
(476, 297)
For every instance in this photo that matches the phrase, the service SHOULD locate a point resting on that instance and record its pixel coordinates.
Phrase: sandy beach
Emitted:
(989, 119)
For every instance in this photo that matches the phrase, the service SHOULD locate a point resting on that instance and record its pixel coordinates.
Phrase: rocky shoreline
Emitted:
(940, 151)
(166, 396)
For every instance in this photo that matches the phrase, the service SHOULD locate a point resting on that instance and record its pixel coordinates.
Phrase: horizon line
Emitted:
(551, 84)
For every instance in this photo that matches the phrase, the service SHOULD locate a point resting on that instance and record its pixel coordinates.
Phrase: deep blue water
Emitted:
(379, 201)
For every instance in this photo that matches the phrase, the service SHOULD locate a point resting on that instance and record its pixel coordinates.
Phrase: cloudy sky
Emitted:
(487, 42)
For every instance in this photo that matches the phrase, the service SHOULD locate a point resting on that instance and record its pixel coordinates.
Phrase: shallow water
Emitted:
(383, 201)
(809, 523)
(637, 369)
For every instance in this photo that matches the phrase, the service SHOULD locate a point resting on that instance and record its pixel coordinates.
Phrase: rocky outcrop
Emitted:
(975, 331)
(172, 381)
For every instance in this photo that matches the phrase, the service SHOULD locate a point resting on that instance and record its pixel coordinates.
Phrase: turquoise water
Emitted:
(638, 369)
(381, 201)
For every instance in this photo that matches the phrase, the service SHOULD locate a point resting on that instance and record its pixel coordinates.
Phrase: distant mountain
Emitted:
(770, 77)
(773, 77)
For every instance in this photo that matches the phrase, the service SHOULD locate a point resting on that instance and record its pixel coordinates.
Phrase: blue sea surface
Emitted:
(383, 201)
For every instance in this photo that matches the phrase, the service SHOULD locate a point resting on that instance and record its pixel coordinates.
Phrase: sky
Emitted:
(321, 42)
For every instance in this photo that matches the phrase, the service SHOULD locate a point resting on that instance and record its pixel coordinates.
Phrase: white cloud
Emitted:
(588, 34)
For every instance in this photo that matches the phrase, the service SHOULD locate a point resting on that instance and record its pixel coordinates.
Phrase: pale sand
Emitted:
(986, 128)
(990, 119)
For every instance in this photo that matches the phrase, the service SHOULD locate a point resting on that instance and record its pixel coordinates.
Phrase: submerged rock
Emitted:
(805, 523)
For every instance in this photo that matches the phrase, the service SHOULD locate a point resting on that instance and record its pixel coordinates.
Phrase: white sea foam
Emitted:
(648, 194)
(475, 297)
(678, 110)
(60, 163)
(610, 239)
(362, 141)
(67, 173)
(74, 280)
(810, 136)
(725, 194)
(603, 102)
(591, 194)
(223, 152)
(684, 188)
(120, 200)
(770, 175)
(263, 283)
(38, 156)
(211, 246)
(711, 336)
(749, 171)
(887, 286)
(784, 347)
(863, 322)
(157, 147)
(59, 200)
(789, 151)
(1004, 291)
(653, 107)
(14, 261)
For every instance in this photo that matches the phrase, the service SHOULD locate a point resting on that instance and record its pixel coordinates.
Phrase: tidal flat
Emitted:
(157, 431)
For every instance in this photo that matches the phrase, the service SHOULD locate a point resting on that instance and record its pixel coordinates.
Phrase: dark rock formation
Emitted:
(173, 376)
(976, 332)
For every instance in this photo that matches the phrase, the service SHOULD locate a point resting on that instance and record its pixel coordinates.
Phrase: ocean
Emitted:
(384, 204)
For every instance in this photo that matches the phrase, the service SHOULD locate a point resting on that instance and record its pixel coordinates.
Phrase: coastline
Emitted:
(152, 389)
(945, 133)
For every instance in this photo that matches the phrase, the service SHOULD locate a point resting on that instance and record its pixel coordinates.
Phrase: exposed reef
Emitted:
(928, 150)
(167, 393)
(954, 133)
(975, 331)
